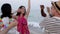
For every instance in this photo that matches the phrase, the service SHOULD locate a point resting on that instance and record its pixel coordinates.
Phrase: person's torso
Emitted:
(5, 21)
(22, 23)
(22, 20)
(52, 24)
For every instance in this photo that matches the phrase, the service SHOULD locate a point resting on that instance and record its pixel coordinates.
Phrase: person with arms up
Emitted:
(21, 20)
(52, 25)
(22, 16)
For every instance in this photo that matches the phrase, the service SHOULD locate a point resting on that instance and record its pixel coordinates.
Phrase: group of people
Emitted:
(9, 21)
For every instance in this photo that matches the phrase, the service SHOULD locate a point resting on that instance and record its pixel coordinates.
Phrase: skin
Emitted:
(48, 9)
(9, 27)
(54, 12)
(49, 12)
(13, 24)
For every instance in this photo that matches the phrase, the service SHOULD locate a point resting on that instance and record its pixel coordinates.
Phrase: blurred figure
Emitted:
(6, 18)
(49, 12)
(42, 11)
(21, 20)
(22, 16)
(6, 13)
(52, 25)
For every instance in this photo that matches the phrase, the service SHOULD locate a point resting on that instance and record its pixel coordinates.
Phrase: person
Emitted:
(21, 20)
(54, 21)
(22, 16)
(42, 11)
(6, 18)
(6, 14)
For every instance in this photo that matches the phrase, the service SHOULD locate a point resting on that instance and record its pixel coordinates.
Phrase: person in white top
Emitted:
(6, 19)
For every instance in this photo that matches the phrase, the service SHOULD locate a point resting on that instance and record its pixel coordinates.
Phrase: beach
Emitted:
(33, 30)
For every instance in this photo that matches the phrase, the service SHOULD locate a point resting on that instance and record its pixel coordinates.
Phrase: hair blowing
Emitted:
(18, 13)
(6, 10)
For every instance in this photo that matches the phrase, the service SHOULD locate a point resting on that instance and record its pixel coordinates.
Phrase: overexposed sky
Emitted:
(34, 3)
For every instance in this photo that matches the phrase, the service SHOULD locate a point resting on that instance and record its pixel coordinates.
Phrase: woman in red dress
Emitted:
(21, 17)
(21, 21)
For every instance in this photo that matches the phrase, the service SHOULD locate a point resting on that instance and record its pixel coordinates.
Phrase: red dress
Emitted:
(22, 26)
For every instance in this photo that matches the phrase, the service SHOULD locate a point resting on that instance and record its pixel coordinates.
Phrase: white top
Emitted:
(5, 21)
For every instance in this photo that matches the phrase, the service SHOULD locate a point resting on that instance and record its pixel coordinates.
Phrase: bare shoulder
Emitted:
(25, 17)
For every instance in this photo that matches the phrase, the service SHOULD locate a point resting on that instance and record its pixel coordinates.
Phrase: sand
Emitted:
(33, 30)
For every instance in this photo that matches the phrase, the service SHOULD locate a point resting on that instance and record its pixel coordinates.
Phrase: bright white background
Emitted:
(35, 15)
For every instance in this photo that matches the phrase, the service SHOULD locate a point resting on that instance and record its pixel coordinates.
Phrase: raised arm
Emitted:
(12, 25)
(42, 11)
(48, 10)
(14, 16)
(28, 9)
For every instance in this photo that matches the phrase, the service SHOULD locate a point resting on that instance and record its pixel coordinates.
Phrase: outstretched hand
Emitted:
(28, 9)
(3, 32)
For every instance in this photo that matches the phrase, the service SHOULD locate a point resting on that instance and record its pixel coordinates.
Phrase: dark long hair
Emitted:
(6, 10)
(18, 13)
(42, 11)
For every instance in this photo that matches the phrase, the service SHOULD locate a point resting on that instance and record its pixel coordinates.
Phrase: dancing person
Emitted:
(6, 18)
(22, 16)
(21, 20)
(54, 21)
(6, 14)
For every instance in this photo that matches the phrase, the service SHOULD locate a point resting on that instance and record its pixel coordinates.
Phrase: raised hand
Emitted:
(48, 9)
(42, 7)
(42, 11)
(28, 9)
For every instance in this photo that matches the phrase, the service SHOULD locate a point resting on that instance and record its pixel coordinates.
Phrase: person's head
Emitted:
(55, 9)
(42, 6)
(21, 10)
(6, 10)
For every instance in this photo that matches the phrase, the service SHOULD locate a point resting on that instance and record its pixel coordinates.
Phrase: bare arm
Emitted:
(48, 9)
(28, 9)
(13, 24)
(14, 16)
(42, 11)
